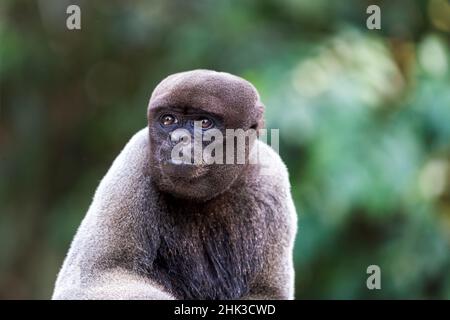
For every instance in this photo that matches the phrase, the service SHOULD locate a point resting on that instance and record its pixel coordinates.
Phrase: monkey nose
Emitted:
(180, 137)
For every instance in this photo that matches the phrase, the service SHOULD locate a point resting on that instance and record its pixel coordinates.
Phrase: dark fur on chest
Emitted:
(207, 250)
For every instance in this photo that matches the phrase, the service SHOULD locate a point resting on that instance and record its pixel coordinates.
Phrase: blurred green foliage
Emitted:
(364, 118)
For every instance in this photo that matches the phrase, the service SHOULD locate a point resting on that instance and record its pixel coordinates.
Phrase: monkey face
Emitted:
(186, 114)
(179, 161)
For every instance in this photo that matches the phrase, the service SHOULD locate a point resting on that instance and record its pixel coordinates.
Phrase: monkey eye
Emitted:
(205, 123)
(168, 120)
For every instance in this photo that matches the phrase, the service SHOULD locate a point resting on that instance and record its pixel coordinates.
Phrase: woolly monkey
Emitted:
(164, 229)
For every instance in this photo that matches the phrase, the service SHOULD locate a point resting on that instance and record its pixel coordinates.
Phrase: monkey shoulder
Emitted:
(268, 183)
(128, 171)
(270, 174)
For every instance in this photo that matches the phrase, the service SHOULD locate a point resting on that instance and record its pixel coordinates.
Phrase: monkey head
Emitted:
(187, 106)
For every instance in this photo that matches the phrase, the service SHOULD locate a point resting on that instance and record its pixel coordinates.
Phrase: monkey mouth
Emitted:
(179, 169)
(177, 162)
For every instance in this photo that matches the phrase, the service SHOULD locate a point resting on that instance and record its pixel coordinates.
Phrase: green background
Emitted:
(364, 119)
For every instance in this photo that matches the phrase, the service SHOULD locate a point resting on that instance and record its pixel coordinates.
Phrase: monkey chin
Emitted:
(193, 183)
(185, 181)
(189, 189)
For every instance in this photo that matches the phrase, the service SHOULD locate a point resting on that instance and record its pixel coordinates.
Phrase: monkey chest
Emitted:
(215, 260)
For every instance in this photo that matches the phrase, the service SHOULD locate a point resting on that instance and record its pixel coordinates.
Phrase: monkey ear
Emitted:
(259, 124)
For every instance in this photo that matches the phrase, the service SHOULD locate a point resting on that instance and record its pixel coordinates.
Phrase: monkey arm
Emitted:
(114, 284)
(111, 243)
(276, 281)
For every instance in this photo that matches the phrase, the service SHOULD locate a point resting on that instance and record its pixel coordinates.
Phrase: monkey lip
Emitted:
(183, 170)
(177, 162)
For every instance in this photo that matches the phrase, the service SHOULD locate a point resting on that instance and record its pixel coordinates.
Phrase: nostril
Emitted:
(180, 137)
(185, 140)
